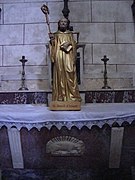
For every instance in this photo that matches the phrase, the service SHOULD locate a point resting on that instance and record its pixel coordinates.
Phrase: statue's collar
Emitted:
(65, 32)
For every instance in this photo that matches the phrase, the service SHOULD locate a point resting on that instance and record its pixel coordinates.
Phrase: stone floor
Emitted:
(62, 174)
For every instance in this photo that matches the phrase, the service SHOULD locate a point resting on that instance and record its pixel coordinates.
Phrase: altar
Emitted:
(100, 136)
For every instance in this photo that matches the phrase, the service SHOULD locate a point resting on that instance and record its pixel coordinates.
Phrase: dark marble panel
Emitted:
(100, 96)
(5, 154)
(128, 147)
(110, 96)
(129, 96)
(66, 174)
(93, 164)
(96, 153)
(23, 98)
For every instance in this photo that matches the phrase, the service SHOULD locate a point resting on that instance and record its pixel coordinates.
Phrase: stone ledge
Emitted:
(92, 96)
(20, 97)
(110, 96)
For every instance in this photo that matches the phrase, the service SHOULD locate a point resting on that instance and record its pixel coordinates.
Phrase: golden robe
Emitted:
(65, 87)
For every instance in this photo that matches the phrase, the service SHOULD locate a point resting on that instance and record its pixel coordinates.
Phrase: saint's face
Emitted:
(63, 23)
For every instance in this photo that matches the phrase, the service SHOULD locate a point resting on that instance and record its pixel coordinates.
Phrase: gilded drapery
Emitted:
(65, 87)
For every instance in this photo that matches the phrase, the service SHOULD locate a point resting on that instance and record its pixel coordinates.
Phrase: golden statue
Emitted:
(63, 56)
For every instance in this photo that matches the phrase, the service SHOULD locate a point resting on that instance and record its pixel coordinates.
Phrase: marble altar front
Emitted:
(106, 131)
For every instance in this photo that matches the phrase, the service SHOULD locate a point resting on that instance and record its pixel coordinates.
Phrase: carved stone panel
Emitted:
(65, 146)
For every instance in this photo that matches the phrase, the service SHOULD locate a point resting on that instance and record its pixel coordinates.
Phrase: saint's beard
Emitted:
(63, 29)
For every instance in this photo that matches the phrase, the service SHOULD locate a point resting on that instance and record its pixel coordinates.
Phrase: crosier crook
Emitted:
(45, 10)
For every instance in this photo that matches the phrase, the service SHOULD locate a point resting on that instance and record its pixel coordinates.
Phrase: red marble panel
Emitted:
(5, 154)
(110, 96)
(128, 147)
(96, 153)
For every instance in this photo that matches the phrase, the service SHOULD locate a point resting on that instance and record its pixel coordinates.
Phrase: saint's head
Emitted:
(63, 24)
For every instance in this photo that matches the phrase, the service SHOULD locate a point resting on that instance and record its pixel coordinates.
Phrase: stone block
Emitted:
(36, 33)
(111, 11)
(126, 68)
(125, 33)
(43, 70)
(84, 29)
(4, 70)
(88, 54)
(55, 10)
(27, 77)
(91, 84)
(101, 33)
(121, 83)
(29, 70)
(96, 84)
(10, 70)
(11, 34)
(117, 53)
(35, 54)
(23, 13)
(10, 85)
(110, 74)
(91, 70)
(95, 32)
(38, 85)
(32, 85)
(78, 9)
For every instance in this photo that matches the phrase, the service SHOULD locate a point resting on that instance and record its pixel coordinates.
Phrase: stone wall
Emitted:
(106, 28)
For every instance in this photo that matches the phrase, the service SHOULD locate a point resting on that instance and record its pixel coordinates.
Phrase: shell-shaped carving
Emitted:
(65, 146)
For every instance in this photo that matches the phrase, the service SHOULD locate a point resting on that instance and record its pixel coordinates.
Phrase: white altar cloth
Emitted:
(29, 116)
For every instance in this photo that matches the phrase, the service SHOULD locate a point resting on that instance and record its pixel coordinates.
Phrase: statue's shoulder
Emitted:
(57, 32)
(68, 31)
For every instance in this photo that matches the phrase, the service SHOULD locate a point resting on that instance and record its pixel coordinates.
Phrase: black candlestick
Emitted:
(133, 9)
(0, 13)
(66, 12)
(23, 85)
(105, 59)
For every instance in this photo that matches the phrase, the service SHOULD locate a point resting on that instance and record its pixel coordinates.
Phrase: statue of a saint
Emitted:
(63, 57)
(63, 53)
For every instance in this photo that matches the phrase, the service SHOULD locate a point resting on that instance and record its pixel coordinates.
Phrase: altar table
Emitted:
(38, 116)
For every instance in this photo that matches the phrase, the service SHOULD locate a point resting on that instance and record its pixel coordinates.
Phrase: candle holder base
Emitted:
(106, 87)
(23, 88)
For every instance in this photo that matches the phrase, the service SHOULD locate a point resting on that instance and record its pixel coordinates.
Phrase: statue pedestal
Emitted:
(65, 106)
